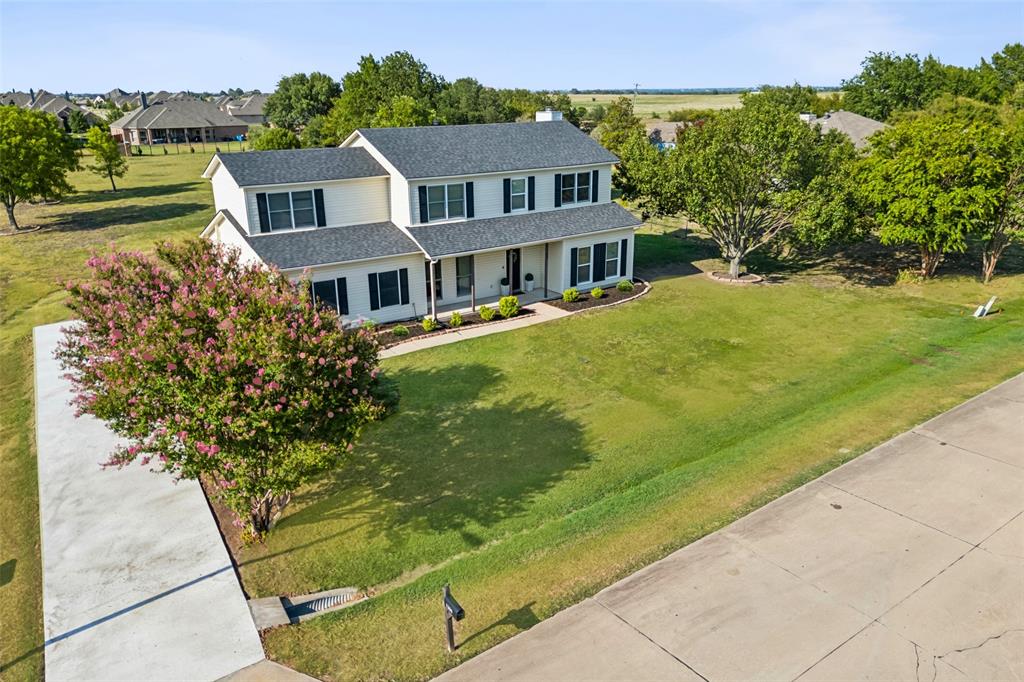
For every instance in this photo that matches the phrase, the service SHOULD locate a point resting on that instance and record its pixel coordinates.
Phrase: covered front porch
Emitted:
(463, 282)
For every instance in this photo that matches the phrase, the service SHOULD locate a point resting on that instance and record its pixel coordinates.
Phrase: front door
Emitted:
(512, 258)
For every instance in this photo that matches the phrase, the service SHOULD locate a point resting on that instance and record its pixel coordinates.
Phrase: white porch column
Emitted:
(545, 269)
(433, 292)
(472, 282)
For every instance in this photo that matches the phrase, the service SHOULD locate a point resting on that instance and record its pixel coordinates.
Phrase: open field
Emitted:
(534, 467)
(164, 197)
(649, 105)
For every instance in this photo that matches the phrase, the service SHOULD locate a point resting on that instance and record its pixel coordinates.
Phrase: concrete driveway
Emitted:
(905, 564)
(137, 584)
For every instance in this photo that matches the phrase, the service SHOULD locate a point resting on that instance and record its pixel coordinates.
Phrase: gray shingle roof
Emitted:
(323, 245)
(858, 128)
(522, 228)
(437, 151)
(300, 165)
(178, 114)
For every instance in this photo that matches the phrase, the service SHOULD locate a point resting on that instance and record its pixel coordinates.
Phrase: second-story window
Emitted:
(291, 209)
(517, 194)
(446, 201)
(575, 187)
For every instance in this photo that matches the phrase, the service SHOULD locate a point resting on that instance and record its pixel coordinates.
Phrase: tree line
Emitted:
(945, 172)
(395, 90)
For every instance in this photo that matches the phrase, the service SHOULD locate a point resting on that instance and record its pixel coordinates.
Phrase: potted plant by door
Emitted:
(504, 286)
(529, 281)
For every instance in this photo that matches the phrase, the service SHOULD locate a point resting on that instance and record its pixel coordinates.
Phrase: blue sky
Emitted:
(214, 45)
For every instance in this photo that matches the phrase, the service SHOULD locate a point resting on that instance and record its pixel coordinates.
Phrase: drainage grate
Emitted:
(317, 605)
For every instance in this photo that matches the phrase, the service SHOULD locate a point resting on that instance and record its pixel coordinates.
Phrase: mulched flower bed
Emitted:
(387, 338)
(611, 295)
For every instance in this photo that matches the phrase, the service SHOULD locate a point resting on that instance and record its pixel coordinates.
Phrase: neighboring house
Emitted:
(47, 102)
(856, 127)
(177, 121)
(248, 108)
(376, 220)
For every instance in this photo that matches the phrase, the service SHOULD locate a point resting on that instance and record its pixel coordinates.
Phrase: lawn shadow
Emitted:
(671, 254)
(122, 193)
(457, 456)
(75, 221)
(522, 618)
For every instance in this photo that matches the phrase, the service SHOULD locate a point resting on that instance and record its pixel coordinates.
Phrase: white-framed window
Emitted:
(388, 291)
(517, 194)
(583, 265)
(611, 260)
(438, 282)
(575, 187)
(287, 210)
(446, 201)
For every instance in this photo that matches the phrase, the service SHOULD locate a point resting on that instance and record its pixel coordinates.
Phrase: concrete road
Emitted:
(905, 564)
(137, 584)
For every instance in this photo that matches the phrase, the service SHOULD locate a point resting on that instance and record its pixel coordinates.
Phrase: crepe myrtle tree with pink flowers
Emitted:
(215, 369)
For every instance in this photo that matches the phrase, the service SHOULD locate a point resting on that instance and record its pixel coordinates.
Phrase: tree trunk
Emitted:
(989, 259)
(10, 216)
(930, 260)
(734, 267)
(112, 185)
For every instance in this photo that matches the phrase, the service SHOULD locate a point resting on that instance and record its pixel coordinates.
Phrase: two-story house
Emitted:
(475, 209)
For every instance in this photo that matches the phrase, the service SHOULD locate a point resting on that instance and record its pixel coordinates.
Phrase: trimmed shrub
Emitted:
(571, 295)
(508, 306)
(456, 319)
(529, 277)
(625, 286)
(430, 324)
(369, 325)
(597, 292)
(400, 330)
(486, 314)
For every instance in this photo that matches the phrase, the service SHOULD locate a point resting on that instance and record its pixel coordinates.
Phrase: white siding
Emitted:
(488, 191)
(228, 196)
(223, 233)
(399, 187)
(357, 284)
(590, 240)
(346, 202)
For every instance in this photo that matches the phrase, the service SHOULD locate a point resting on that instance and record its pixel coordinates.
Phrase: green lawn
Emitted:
(164, 197)
(530, 468)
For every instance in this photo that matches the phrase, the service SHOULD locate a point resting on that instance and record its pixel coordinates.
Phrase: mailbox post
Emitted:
(452, 612)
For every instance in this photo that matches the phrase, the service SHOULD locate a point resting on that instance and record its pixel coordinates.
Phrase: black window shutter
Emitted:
(423, 204)
(342, 296)
(597, 265)
(403, 285)
(593, 187)
(573, 262)
(623, 248)
(261, 206)
(374, 294)
(469, 199)
(321, 214)
(530, 203)
(558, 189)
(507, 193)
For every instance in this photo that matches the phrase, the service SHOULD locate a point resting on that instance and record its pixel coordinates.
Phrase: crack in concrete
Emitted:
(977, 646)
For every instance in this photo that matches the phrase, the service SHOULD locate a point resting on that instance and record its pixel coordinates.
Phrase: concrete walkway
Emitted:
(542, 313)
(137, 584)
(905, 564)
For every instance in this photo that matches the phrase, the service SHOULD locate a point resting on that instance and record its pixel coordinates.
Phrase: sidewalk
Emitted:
(542, 313)
(906, 563)
(137, 583)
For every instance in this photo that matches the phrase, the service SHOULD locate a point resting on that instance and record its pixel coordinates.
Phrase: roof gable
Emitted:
(445, 151)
